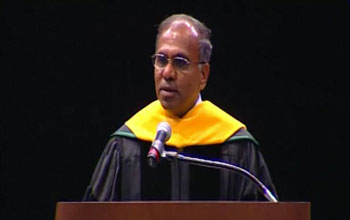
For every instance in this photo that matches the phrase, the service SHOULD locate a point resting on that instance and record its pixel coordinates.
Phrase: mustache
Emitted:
(167, 87)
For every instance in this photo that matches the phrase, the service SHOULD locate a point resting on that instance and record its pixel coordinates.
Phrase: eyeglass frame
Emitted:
(187, 61)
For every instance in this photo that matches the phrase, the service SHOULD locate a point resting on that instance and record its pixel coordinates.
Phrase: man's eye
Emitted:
(181, 62)
(162, 61)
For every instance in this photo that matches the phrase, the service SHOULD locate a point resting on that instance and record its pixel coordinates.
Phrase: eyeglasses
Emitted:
(181, 64)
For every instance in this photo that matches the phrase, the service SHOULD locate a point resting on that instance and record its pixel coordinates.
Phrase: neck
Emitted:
(182, 113)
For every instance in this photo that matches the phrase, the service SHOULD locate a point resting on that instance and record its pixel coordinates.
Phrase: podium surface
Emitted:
(190, 210)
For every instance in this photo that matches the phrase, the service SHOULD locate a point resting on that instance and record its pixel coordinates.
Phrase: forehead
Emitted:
(179, 35)
(182, 24)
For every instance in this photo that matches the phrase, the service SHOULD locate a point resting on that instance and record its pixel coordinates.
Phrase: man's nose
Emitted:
(169, 71)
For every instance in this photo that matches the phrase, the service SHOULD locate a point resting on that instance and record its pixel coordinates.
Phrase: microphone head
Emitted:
(164, 126)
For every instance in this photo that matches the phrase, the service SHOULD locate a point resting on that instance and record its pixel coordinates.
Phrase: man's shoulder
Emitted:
(242, 134)
(123, 131)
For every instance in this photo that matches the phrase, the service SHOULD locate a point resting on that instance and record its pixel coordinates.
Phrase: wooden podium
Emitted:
(182, 210)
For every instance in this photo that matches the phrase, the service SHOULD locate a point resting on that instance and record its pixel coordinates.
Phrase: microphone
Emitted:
(157, 149)
(226, 166)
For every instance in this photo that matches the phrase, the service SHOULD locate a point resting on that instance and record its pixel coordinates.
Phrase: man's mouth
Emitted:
(167, 91)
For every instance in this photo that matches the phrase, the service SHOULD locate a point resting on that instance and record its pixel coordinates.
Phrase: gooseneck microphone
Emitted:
(224, 166)
(157, 149)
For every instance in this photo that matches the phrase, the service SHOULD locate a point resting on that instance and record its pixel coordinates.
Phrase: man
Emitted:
(181, 71)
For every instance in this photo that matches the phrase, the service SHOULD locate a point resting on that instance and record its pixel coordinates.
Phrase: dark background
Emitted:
(73, 71)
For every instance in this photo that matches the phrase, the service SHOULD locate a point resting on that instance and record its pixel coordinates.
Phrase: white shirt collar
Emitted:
(199, 100)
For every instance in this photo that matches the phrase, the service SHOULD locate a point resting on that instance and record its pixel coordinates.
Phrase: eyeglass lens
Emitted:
(179, 63)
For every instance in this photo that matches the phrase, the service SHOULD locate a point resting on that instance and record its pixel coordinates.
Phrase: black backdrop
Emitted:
(73, 71)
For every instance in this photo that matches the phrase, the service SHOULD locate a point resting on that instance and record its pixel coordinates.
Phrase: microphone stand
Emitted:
(222, 165)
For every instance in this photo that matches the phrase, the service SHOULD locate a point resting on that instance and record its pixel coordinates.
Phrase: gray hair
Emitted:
(205, 46)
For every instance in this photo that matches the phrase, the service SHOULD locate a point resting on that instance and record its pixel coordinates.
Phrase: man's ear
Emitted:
(205, 72)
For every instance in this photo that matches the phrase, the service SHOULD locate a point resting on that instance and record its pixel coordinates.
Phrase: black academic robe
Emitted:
(122, 172)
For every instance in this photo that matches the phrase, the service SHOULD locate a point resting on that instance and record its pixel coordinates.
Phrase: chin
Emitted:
(166, 104)
(169, 106)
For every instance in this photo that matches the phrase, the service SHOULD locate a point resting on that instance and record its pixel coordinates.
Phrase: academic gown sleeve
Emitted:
(234, 186)
(103, 183)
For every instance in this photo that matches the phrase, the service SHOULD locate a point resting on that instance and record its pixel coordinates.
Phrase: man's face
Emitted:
(178, 89)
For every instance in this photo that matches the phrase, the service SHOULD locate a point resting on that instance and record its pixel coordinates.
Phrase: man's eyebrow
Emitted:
(181, 55)
(162, 53)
